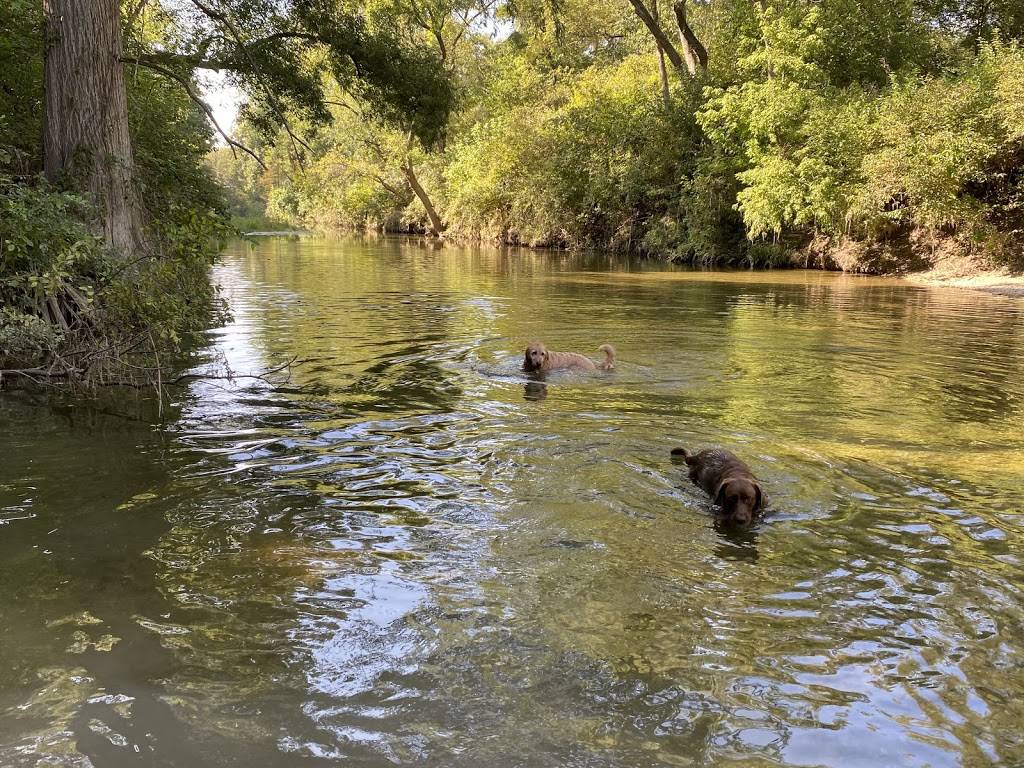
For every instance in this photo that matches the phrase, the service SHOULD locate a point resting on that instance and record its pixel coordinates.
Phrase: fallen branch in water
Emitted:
(231, 376)
(33, 374)
(149, 376)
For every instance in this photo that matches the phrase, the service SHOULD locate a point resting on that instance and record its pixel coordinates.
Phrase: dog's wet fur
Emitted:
(539, 359)
(726, 479)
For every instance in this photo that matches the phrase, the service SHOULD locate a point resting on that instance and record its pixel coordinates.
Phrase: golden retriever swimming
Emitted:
(539, 358)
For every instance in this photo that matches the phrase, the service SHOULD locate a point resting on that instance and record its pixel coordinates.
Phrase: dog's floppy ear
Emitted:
(720, 492)
(762, 498)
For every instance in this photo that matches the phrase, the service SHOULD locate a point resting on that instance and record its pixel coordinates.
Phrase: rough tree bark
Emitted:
(695, 53)
(436, 225)
(85, 131)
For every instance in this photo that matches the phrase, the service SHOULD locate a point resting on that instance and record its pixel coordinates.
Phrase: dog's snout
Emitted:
(743, 514)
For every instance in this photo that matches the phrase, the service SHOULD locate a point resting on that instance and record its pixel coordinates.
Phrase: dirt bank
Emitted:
(1000, 283)
(965, 272)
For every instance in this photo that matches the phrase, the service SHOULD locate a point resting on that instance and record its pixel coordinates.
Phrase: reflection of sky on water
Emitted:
(371, 639)
(408, 553)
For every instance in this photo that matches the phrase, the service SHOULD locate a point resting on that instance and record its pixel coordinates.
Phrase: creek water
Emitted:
(410, 553)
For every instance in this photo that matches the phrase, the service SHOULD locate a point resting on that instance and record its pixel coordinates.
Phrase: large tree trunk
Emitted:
(695, 53)
(85, 133)
(436, 225)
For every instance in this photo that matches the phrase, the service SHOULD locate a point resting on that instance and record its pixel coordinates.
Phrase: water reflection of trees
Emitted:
(78, 662)
(723, 655)
(867, 365)
(303, 588)
(308, 508)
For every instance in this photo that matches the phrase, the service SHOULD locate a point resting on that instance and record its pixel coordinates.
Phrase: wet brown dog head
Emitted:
(536, 356)
(740, 500)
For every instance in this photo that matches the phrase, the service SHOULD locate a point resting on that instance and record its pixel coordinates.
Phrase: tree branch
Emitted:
(34, 374)
(31, 373)
(201, 61)
(666, 94)
(268, 92)
(187, 85)
(229, 376)
(659, 34)
(696, 54)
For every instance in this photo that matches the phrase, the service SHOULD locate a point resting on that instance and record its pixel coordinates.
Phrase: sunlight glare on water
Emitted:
(409, 553)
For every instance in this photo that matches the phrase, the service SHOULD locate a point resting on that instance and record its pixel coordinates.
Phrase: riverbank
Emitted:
(968, 273)
(990, 282)
(276, 233)
(950, 269)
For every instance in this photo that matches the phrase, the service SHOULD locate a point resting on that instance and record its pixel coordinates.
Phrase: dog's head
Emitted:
(740, 499)
(536, 356)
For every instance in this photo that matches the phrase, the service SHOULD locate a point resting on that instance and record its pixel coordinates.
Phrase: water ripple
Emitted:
(412, 553)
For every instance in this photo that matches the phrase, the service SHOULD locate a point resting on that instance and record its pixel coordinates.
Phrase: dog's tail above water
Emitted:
(609, 357)
(685, 455)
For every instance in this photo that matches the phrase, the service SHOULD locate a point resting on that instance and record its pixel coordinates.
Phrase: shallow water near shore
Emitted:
(410, 553)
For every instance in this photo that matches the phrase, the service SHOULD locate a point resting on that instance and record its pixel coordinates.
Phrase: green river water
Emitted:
(410, 554)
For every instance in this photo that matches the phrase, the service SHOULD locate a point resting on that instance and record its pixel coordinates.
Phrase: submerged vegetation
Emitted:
(867, 136)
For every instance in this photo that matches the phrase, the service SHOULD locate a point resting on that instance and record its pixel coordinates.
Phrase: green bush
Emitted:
(69, 301)
(26, 340)
(48, 253)
(590, 166)
(945, 152)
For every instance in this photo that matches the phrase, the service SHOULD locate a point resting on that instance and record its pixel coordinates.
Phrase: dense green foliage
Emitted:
(21, 84)
(858, 134)
(69, 303)
(72, 307)
(282, 53)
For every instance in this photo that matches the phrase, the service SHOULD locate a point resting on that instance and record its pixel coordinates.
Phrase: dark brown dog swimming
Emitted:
(728, 481)
(539, 358)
